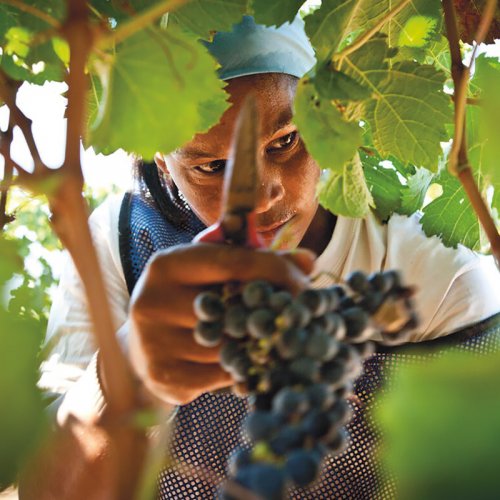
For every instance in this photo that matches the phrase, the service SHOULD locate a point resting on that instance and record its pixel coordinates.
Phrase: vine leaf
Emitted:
(346, 193)
(384, 185)
(277, 12)
(10, 261)
(333, 84)
(331, 140)
(409, 109)
(337, 22)
(155, 79)
(412, 198)
(204, 17)
(450, 216)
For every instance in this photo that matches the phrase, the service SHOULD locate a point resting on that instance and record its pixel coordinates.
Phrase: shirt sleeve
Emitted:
(69, 336)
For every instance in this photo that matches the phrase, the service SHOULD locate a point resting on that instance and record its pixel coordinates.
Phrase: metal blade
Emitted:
(241, 174)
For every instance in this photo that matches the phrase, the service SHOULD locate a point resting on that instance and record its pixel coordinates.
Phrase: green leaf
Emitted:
(277, 12)
(330, 139)
(18, 41)
(346, 193)
(10, 261)
(413, 197)
(154, 92)
(446, 412)
(417, 31)
(22, 418)
(450, 216)
(333, 84)
(204, 17)
(409, 110)
(384, 185)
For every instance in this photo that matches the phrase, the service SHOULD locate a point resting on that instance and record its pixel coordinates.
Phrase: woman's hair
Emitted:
(154, 185)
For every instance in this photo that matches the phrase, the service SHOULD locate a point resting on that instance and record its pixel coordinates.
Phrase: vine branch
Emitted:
(8, 91)
(458, 162)
(140, 21)
(362, 39)
(34, 11)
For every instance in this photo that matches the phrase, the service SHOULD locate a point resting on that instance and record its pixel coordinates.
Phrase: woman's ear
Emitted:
(161, 163)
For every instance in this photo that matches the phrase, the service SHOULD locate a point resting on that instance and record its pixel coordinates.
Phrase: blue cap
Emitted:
(251, 49)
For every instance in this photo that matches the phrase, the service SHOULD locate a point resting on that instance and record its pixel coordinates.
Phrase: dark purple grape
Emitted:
(235, 321)
(279, 300)
(238, 459)
(380, 282)
(261, 425)
(357, 282)
(240, 367)
(256, 294)
(339, 413)
(261, 323)
(291, 342)
(302, 466)
(356, 320)
(288, 401)
(208, 333)
(365, 349)
(372, 301)
(305, 369)
(295, 315)
(320, 345)
(337, 441)
(334, 373)
(208, 306)
(265, 480)
(320, 396)
(315, 300)
(228, 353)
(316, 423)
(288, 438)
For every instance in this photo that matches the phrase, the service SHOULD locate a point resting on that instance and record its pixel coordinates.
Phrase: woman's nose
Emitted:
(270, 189)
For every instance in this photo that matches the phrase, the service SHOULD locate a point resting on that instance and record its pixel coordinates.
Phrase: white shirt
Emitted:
(454, 287)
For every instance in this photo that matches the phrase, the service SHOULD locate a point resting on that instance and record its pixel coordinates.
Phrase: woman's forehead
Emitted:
(274, 95)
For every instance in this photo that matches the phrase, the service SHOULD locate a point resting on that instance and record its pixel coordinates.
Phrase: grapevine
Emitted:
(298, 358)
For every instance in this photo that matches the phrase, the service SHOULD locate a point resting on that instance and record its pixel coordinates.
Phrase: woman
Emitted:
(153, 272)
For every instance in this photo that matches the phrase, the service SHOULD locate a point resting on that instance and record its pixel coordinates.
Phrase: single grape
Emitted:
(260, 425)
(288, 438)
(365, 349)
(238, 459)
(339, 413)
(235, 321)
(372, 301)
(334, 373)
(302, 466)
(261, 323)
(295, 315)
(208, 306)
(380, 282)
(208, 333)
(228, 354)
(356, 320)
(267, 481)
(316, 423)
(319, 344)
(320, 396)
(240, 367)
(316, 301)
(291, 343)
(305, 369)
(288, 401)
(357, 282)
(256, 293)
(279, 300)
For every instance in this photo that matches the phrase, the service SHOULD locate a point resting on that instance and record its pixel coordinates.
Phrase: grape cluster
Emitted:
(297, 358)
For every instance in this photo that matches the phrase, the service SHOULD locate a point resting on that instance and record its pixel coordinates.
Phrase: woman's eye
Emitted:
(212, 167)
(283, 143)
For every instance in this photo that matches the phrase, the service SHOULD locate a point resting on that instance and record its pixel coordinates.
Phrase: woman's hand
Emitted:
(163, 352)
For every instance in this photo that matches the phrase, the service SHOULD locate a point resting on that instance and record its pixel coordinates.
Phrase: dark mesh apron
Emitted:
(209, 429)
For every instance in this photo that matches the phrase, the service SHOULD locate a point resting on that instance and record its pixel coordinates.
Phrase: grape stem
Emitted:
(139, 22)
(362, 39)
(34, 11)
(459, 164)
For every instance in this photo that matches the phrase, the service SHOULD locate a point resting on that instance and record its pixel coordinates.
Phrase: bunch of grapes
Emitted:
(297, 358)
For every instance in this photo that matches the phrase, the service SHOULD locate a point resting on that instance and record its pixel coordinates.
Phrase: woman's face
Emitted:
(288, 175)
